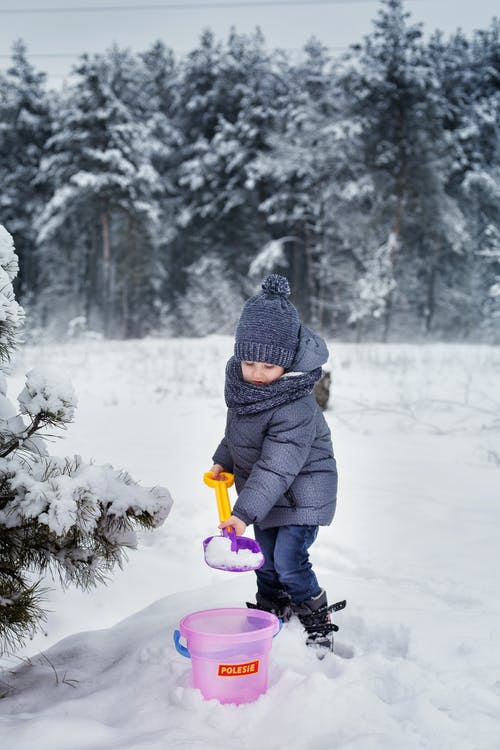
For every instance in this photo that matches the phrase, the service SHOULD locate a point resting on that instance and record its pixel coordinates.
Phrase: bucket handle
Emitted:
(178, 645)
(280, 625)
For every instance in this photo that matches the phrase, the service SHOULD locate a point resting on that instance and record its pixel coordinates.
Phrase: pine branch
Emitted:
(36, 424)
(20, 610)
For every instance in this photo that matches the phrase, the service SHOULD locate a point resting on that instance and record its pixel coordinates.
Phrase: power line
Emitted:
(180, 6)
(48, 54)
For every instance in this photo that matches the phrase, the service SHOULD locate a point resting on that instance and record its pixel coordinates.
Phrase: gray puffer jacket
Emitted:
(282, 458)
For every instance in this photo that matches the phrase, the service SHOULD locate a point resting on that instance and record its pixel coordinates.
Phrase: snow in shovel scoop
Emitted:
(218, 554)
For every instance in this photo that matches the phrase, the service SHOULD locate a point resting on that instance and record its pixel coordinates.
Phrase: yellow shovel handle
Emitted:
(221, 493)
(223, 504)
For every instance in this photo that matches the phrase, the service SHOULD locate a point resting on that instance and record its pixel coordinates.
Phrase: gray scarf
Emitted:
(247, 398)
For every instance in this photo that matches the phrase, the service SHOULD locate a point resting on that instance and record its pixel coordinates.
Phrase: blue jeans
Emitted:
(287, 569)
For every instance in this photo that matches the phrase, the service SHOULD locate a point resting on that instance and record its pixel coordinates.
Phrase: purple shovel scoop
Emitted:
(227, 551)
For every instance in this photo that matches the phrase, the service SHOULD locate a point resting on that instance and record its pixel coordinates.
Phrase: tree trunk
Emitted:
(128, 280)
(394, 239)
(106, 270)
(431, 300)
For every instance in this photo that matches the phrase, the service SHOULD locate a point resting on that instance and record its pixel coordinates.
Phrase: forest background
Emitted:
(152, 194)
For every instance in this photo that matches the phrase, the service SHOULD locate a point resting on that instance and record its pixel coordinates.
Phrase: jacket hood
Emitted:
(312, 351)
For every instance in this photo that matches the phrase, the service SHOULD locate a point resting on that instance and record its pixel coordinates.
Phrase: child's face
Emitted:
(260, 373)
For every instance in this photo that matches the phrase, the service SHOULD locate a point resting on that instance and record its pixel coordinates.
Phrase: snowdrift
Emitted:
(413, 549)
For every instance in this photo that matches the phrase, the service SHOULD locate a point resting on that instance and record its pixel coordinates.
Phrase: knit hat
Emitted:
(268, 328)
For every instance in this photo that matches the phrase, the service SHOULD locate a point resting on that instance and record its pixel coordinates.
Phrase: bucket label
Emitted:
(238, 670)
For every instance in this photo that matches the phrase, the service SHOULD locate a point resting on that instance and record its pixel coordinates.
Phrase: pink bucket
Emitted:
(229, 650)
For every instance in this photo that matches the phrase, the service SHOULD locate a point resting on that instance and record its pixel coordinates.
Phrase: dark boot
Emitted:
(314, 615)
(281, 606)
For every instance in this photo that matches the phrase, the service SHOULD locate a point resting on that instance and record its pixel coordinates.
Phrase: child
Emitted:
(278, 446)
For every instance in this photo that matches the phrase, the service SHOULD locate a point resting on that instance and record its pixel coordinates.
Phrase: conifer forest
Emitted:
(151, 194)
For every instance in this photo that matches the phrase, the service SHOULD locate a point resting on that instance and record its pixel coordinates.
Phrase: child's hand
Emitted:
(216, 470)
(238, 525)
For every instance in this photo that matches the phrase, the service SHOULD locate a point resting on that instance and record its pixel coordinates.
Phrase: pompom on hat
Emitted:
(268, 328)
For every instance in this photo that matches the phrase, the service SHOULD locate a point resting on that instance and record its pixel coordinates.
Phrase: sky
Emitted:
(57, 31)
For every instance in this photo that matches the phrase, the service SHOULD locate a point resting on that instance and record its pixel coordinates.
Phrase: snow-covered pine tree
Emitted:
(316, 186)
(98, 232)
(398, 104)
(468, 71)
(161, 89)
(228, 100)
(477, 137)
(482, 187)
(57, 515)
(212, 301)
(292, 176)
(25, 125)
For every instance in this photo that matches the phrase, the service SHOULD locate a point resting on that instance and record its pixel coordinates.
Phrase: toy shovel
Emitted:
(229, 551)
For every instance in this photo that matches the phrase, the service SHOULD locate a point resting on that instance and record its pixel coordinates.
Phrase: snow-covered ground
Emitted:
(414, 549)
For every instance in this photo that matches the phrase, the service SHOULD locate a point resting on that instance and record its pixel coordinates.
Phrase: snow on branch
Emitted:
(68, 496)
(375, 287)
(48, 396)
(270, 257)
(11, 313)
